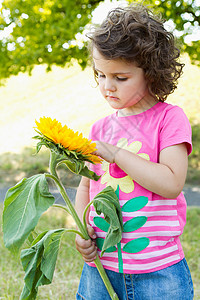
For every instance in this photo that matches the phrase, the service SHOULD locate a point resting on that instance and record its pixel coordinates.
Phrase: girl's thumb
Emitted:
(91, 232)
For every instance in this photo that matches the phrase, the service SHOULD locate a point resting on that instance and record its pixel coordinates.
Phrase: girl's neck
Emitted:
(138, 108)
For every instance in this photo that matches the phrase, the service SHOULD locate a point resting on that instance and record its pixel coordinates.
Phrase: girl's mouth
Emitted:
(112, 98)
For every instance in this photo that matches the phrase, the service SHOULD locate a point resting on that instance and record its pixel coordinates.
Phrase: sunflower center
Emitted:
(116, 172)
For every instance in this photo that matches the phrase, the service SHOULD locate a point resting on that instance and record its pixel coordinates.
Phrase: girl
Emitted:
(144, 145)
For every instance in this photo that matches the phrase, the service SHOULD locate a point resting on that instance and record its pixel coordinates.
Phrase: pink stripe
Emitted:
(158, 228)
(106, 267)
(145, 266)
(141, 261)
(152, 239)
(159, 266)
(148, 230)
(162, 265)
(159, 207)
(152, 218)
(162, 218)
(154, 250)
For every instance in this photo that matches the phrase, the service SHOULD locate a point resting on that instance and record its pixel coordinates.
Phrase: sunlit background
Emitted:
(68, 94)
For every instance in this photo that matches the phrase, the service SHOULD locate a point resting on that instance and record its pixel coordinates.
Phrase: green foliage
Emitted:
(39, 262)
(107, 202)
(186, 19)
(43, 32)
(65, 282)
(23, 206)
(194, 162)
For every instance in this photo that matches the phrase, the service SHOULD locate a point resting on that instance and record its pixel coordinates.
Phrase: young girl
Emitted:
(144, 146)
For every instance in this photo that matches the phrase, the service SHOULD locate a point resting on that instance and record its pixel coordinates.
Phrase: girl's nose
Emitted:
(109, 85)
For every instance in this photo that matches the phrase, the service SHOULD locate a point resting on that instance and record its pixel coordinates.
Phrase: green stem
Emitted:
(61, 206)
(84, 213)
(82, 228)
(75, 231)
(105, 279)
(71, 210)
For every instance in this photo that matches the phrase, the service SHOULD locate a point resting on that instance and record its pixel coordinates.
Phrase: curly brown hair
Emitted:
(135, 34)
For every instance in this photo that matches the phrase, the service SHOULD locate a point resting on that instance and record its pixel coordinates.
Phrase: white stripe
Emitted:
(142, 255)
(162, 202)
(160, 243)
(158, 223)
(161, 223)
(134, 235)
(152, 243)
(130, 235)
(155, 202)
(152, 264)
(166, 213)
(141, 267)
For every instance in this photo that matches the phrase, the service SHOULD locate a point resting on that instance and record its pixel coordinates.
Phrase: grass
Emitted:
(193, 176)
(69, 263)
(68, 268)
(191, 246)
(15, 166)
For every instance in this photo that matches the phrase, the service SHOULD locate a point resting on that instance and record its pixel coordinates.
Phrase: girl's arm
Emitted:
(165, 178)
(87, 248)
(82, 196)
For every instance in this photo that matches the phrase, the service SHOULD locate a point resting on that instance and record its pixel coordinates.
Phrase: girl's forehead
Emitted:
(113, 65)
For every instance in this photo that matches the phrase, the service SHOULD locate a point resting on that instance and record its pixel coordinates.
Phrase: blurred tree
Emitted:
(185, 21)
(45, 31)
(42, 32)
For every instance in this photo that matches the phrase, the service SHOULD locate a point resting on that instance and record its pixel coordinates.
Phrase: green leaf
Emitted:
(135, 204)
(136, 245)
(134, 224)
(90, 174)
(78, 167)
(101, 223)
(74, 166)
(39, 262)
(23, 206)
(100, 242)
(107, 202)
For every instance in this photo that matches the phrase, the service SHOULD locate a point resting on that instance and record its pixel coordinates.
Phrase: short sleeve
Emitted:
(175, 129)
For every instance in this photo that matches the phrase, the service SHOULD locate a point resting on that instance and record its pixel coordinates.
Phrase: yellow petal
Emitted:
(63, 135)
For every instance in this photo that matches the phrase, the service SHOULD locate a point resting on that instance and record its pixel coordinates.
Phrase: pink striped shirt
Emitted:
(152, 224)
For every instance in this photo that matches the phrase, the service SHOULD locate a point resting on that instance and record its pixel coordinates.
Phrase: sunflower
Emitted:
(52, 134)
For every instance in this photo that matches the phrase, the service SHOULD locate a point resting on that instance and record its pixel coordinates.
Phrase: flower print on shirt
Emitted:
(114, 176)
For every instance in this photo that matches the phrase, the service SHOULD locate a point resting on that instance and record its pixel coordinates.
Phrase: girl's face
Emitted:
(123, 85)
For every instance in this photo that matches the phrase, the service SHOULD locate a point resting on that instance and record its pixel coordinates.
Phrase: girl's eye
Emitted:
(121, 78)
(101, 76)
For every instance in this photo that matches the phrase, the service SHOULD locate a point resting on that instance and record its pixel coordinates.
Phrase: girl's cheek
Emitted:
(101, 88)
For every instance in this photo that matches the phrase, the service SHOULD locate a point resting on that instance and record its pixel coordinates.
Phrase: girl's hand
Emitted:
(106, 151)
(87, 248)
